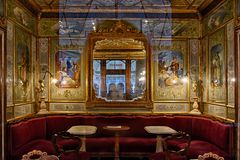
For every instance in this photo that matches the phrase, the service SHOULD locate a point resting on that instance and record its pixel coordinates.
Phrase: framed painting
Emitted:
(218, 17)
(170, 65)
(73, 27)
(21, 15)
(67, 64)
(169, 28)
(67, 68)
(23, 65)
(217, 66)
(65, 27)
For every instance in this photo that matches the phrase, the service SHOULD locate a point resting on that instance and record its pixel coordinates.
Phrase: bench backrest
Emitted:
(198, 127)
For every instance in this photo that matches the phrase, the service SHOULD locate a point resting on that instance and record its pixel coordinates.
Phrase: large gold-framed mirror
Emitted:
(118, 67)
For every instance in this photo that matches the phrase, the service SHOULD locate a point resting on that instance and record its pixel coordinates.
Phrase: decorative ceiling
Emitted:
(120, 6)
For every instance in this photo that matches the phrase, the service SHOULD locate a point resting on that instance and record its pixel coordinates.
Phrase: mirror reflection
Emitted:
(119, 73)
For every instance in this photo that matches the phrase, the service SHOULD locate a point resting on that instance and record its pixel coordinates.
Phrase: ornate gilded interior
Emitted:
(181, 49)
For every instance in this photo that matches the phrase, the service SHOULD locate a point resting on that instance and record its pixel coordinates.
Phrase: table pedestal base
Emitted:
(116, 148)
(83, 146)
(159, 144)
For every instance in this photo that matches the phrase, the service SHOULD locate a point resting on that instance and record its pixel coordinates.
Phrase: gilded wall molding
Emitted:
(3, 22)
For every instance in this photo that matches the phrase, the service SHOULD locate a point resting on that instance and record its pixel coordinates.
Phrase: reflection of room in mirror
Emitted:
(116, 80)
(119, 68)
(116, 87)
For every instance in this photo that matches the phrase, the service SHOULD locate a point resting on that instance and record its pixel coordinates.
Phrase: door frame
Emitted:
(2, 92)
(237, 89)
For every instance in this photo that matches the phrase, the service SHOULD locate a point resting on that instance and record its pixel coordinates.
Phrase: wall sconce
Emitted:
(197, 88)
(43, 107)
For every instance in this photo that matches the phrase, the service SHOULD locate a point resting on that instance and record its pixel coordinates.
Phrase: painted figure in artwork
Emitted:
(216, 65)
(23, 68)
(174, 66)
(23, 63)
(76, 71)
(67, 68)
(170, 68)
(65, 79)
(223, 14)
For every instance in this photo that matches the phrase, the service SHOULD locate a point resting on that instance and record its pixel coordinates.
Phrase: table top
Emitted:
(116, 128)
(160, 130)
(82, 130)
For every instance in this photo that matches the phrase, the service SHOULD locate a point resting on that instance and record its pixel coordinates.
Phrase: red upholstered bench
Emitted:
(207, 135)
(27, 136)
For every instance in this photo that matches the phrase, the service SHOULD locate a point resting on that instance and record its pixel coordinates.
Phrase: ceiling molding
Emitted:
(113, 15)
(159, 10)
(79, 9)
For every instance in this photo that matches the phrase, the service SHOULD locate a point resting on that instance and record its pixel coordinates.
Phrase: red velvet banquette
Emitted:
(207, 135)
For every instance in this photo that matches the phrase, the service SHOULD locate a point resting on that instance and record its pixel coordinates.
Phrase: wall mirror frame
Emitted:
(118, 42)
